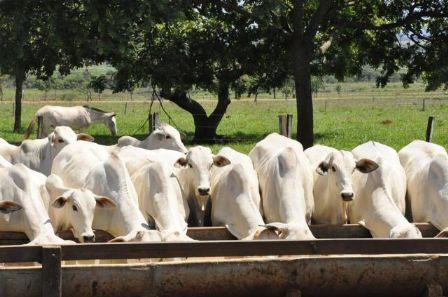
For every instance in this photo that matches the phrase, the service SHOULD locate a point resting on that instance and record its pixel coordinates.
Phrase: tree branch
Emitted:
(322, 11)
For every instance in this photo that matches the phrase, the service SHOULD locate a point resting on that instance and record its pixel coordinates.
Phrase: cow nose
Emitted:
(347, 196)
(203, 191)
(89, 238)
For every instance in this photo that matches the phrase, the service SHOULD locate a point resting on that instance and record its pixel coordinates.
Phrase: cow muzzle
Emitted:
(203, 191)
(88, 238)
(347, 196)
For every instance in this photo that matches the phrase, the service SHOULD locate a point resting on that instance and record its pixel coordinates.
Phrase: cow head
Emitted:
(199, 160)
(339, 166)
(63, 136)
(78, 206)
(167, 137)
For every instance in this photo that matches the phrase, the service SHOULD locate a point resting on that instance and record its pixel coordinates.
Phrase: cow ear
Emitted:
(9, 206)
(220, 161)
(59, 202)
(104, 202)
(85, 137)
(323, 167)
(366, 165)
(182, 162)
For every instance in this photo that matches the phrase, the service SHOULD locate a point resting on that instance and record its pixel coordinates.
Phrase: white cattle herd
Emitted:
(151, 190)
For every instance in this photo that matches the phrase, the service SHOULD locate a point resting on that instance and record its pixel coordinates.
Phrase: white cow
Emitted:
(193, 172)
(164, 137)
(72, 209)
(236, 199)
(21, 206)
(380, 202)
(286, 184)
(333, 182)
(92, 166)
(426, 166)
(38, 154)
(160, 199)
(75, 117)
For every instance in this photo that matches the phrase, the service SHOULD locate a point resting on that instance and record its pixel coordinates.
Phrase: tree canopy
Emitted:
(178, 46)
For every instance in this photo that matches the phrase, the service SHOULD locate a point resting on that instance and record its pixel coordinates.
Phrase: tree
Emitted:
(27, 45)
(40, 36)
(338, 37)
(98, 84)
(207, 49)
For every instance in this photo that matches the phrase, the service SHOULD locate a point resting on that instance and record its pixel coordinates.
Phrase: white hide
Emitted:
(426, 166)
(72, 209)
(193, 172)
(94, 167)
(38, 154)
(194, 178)
(236, 200)
(160, 199)
(4, 163)
(380, 202)
(164, 137)
(75, 117)
(286, 184)
(332, 191)
(19, 185)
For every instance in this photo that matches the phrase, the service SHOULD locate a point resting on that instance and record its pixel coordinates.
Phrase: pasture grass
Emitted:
(246, 123)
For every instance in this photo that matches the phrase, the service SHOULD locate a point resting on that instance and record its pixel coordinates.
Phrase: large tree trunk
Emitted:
(205, 126)
(302, 78)
(19, 79)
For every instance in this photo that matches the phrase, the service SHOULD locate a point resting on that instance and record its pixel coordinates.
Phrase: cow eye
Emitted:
(168, 137)
(190, 166)
(60, 140)
(333, 168)
(74, 208)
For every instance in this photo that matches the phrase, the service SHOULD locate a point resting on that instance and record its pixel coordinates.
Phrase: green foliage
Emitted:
(98, 84)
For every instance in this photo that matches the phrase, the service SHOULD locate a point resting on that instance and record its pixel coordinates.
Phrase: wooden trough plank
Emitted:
(221, 233)
(20, 253)
(253, 248)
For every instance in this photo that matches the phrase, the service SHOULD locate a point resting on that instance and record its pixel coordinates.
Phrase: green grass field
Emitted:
(342, 126)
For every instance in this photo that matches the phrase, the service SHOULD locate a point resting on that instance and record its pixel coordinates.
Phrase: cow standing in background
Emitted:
(75, 117)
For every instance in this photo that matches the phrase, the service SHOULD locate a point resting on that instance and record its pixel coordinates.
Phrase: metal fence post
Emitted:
(51, 271)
